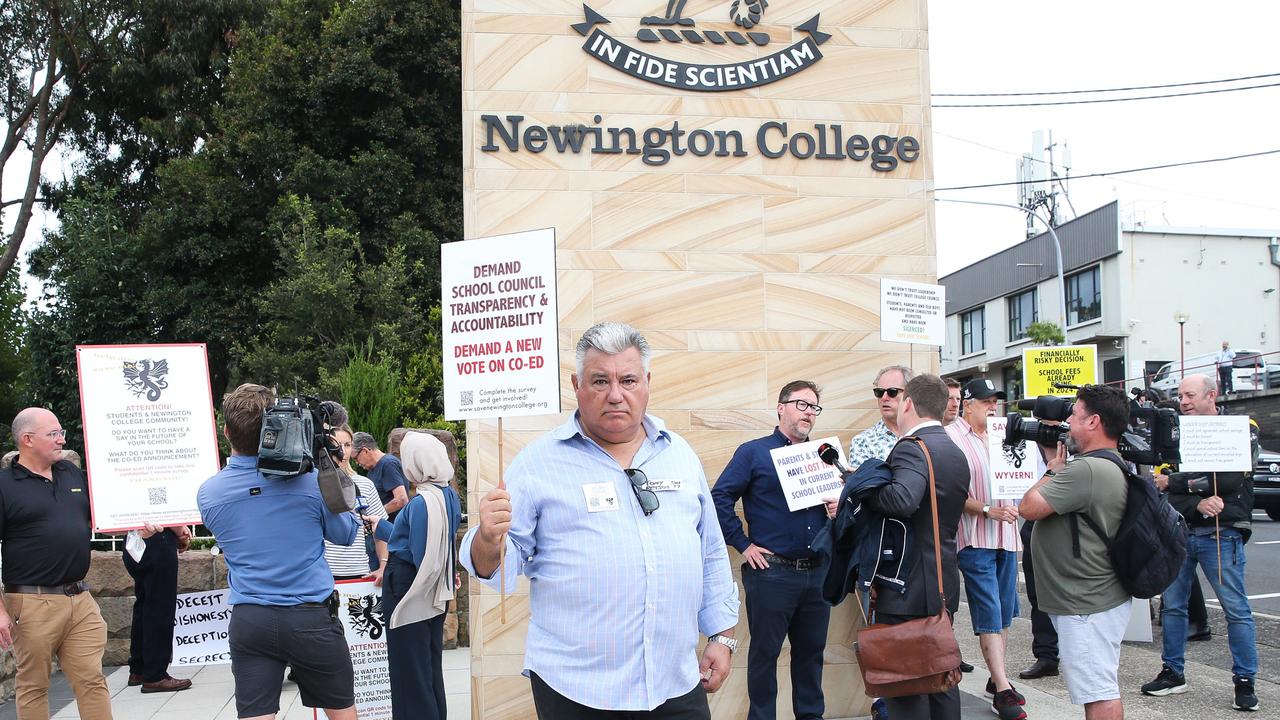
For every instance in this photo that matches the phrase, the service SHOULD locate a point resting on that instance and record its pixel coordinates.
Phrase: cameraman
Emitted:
(284, 609)
(1219, 511)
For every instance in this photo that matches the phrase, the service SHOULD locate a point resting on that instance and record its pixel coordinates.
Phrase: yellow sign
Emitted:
(1044, 366)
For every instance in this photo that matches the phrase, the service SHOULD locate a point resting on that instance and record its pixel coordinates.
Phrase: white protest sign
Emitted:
(1214, 443)
(200, 629)
(149, 433)
(805, 479)
(500, 326)
(1014, 468)
(912, 312)
(361, 615)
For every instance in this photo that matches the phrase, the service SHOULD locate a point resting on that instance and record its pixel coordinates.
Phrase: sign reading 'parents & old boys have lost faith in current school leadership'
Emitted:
(500, 326)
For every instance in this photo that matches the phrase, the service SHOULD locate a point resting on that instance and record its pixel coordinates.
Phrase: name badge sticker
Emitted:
(666, 484)
(600, 497)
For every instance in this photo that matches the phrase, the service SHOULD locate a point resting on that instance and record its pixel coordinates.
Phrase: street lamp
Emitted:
(1181, 318)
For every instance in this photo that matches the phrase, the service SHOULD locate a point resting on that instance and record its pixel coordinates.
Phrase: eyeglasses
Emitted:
(881, 392)
(647, 498)
(804, 406)
(50, 434)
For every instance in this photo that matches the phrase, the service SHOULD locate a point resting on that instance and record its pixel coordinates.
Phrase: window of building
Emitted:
(1011, 375)
(1022, 312)
(973, 331)
(1084, 297)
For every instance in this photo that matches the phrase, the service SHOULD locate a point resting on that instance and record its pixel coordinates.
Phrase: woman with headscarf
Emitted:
(418, 583)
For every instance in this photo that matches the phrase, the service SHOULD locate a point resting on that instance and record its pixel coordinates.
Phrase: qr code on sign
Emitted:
(466, 397)
(157, 495)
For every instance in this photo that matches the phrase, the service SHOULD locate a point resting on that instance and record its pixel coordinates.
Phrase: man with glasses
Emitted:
(47, 611)
(610, 518)
(385, 472)
(780, 574)
(877, 440)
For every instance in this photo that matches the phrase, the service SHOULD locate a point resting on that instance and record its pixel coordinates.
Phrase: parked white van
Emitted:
(1252, 371)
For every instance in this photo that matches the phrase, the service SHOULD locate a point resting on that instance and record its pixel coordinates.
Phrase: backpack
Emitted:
(1150, 547)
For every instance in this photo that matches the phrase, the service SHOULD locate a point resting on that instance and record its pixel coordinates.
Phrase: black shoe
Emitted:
(1006, 706)
(1199, 632)
(965, 667)
(1167, 682)
(990, 692)
(1040, 668)
(1246, 698)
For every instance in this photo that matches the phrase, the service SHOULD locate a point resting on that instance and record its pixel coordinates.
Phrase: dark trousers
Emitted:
(415, 652)
(1224, 380)
(551, 705)
(1044, 639)
(937, 706)
(155, 591)
(783, 603)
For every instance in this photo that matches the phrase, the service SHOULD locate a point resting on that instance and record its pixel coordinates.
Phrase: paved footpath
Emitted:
(212, 695)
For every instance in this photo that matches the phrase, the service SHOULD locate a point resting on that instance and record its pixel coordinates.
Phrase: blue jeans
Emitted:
(991, 584)
(783, 603)
(1203, 549)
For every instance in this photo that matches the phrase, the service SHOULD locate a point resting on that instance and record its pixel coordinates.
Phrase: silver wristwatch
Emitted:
(726, 641)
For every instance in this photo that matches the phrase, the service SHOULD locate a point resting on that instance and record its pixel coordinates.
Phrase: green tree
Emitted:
(1045, 333)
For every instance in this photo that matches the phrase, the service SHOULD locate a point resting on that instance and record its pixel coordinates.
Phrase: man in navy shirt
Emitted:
(272, 532)
(780, 576)
(384, 470)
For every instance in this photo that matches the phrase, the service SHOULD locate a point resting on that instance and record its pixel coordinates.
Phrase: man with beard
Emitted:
(780, 574)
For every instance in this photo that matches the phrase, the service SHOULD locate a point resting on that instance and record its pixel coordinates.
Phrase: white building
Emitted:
(1123, 288)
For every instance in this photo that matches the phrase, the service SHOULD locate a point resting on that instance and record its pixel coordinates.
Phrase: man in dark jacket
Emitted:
(907, 497)
(1218, 514)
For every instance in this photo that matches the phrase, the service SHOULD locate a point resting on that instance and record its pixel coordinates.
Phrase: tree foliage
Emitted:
(1045, 333)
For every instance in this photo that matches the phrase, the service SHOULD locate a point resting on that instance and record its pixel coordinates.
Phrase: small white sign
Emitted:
(359, 608)
(912, 312)
(1214, 443)
(200, 629)
(149, 434)
(804, 477)
(499, 326)
(1014, 468)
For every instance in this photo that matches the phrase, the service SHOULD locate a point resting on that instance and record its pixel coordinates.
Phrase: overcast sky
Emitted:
(1019, 46)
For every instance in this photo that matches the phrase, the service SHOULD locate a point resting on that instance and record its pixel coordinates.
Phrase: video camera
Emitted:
(1150, 439)
(296, 438)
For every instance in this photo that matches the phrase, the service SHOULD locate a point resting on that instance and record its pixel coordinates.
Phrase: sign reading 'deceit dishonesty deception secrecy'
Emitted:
(500, 326)
(149, 433)
(658, 144)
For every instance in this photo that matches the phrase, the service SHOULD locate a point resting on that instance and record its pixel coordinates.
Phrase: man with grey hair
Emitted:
(611, 519)
(877, 440)
(384, 471)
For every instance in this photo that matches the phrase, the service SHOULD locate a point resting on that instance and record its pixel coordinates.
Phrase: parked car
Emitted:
(1266, 483)
(1253, 371)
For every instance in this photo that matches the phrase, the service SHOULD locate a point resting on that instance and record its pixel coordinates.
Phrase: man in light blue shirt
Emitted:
(272, 531)
(611, 519)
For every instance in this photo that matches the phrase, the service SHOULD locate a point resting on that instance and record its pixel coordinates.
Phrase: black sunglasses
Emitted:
(647, 498)
(881, 392)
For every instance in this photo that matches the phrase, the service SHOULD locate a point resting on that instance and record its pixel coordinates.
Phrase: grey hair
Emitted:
(612, 338)
(1210, 384)
(906, 372)
(363, 441)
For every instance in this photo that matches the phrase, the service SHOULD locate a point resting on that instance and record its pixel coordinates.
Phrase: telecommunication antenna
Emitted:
(1038, 175)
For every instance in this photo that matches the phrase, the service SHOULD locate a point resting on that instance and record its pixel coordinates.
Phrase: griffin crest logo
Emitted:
(674, 27)
(146, 376)
(364, 613)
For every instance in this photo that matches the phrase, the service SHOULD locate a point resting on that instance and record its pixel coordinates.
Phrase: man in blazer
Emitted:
(907, 497)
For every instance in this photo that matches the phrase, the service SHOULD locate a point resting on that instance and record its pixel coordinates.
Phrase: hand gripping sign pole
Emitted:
(500, 335)
(1214, 444)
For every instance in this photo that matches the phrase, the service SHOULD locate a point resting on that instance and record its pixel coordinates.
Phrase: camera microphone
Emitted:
(831, 456)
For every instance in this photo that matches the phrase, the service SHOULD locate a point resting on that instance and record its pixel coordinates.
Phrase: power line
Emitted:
(1102, 90)
(1117, 172)
(1108, 100)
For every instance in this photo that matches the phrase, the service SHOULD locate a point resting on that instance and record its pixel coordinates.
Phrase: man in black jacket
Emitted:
(1218, 510)
(907, 497)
